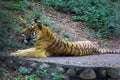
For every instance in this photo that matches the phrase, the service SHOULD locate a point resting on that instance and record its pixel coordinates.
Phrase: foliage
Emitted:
(58, 76)
(24, 70)
(46, 73)
(6, 23)
(67, 36)
(106, 44)
(39, 74)
(33, 77)
(57, 4)
(13, 16)
(46, 21)
(42, 72)
(17, 78)
(101, 15)
(29, 77)
(56, 28)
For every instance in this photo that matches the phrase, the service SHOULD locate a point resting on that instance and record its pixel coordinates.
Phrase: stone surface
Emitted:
(105, 60)
(44, 65)
(102, 73)
(88, 74)
(4, 74)
(60, 69)
(66, 77)
(79, 69)
(114, 72)
(70, 72)
(33, 65)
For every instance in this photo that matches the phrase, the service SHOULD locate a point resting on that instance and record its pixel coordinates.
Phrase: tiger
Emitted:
(47, 44)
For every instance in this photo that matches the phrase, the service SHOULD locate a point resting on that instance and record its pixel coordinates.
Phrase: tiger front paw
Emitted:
(14, 54)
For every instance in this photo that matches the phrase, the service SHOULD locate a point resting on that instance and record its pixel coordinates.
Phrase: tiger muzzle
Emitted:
(25, 39)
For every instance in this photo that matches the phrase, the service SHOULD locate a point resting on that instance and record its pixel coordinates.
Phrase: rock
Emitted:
(71, 72)
(33, 65)
(88, 74)
(44, 65)
(118, 78)
(102, 73)
(65, 77)
(114, 72)
(4, 74)
(78, 69)
(60, 69)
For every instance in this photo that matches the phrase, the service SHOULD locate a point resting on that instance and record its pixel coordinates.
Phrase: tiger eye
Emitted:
(30, 28)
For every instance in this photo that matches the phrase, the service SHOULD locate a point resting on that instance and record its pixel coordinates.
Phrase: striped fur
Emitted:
(48, 45)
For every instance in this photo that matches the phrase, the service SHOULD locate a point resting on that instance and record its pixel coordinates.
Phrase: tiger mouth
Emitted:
(25, 39)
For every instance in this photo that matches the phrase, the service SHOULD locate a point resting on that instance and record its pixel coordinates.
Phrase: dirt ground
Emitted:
(78, 29)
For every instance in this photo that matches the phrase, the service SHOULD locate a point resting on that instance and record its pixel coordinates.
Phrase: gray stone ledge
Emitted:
(106, 60)
(94, 67)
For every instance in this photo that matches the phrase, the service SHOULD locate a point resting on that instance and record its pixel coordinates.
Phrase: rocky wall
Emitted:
(69, 72)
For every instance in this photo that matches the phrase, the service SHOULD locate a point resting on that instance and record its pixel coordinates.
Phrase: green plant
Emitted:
(106, 44)
(17, 28)
(25, 4)
(39, 74)
(67, 36)
(46, 21)
(33, 77)
(31, 15)
(102, 16)
(24, 70)
(57, 4)
(16, 78)
(6, 23)
(42, 72)
(13, 17)
(49, 73)
(29, 77)
(58, 77)
(56, 28)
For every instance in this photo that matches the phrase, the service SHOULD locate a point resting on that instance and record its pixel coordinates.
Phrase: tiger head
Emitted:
(37, 31)
(30, 33)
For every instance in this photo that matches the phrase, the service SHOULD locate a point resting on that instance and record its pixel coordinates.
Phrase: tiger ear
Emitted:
(36, 20)
(39, 24)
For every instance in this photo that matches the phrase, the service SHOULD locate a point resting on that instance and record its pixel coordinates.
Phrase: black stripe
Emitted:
(83, 49)
(66, 48)
(81, 52)
(49, 47)
(71, 49)
(70, 52)
(72, 44)
(76, 46)
(56, 44)
(50, 35)
(60, 46)
(62, 52)
(75, 51)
